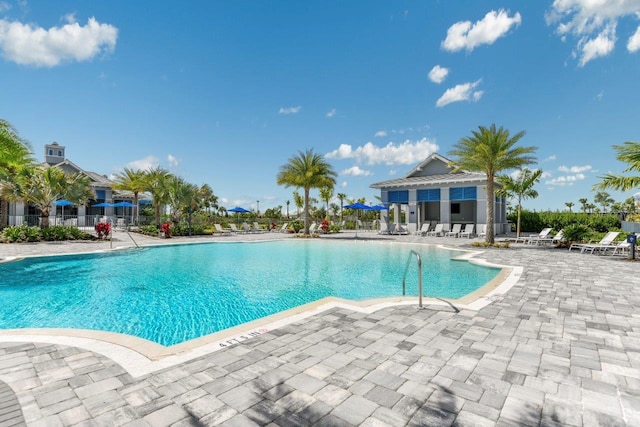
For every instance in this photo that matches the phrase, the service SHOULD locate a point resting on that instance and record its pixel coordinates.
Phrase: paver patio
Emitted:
(561, 347)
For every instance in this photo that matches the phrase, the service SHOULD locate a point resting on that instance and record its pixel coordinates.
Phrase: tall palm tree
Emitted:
(134, 181)
(603, 199)
(341, 197)
(569, 205)
(583, 202)
(42, 186)
(629, 152)
(183, 197)
(520, 187)
(157, 185)
(288, 201)
(491, 150)
(307, 170)
(326, 193)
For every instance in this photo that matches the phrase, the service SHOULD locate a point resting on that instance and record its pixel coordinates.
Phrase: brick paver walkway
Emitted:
(562, 347)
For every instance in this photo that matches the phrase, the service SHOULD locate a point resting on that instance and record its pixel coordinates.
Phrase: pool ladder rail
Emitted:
(404, 278)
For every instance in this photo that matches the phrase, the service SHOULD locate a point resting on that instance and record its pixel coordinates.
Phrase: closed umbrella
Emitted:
(124, 205)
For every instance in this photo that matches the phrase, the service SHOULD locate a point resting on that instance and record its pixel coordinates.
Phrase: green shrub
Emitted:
(576, 232)
(21, 233)
(149, 230)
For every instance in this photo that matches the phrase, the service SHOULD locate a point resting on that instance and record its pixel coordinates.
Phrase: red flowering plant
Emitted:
(324, 226)
(165, 229)
(103, 229)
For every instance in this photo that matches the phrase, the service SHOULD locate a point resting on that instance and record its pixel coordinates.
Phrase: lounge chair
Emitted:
(222, 231)
(468, 231)
(284, 228)
(528, 239)
(399, 229)
(482, 230)
(257, 229)
(622, 248)
(437, 231)
(235, 229)
(423, 230)
(558, 238)
(455, 230)
(606, 242)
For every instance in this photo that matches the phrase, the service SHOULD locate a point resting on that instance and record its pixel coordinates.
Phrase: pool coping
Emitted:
(140, 356)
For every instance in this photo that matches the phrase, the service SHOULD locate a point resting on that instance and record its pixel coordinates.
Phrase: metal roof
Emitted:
(432, 180)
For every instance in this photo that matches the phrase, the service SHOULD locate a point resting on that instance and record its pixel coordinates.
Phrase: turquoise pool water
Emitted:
(172, 294)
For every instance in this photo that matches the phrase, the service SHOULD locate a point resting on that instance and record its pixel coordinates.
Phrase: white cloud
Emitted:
(466, 35)
(593, 24)
(634, 42)
(546, 175)
(27, 44)
(290, 110)
(548, 159)
(380, 134)
(4, 6)
(461, 92)
(173, 161)
(600, 95)
(356, 171)
(392, 172)
(409, 152)
(438, 74)
(331, 113)
(344, 184)
(574, 169)
(602, 45)
(147, 163)
(565, 180)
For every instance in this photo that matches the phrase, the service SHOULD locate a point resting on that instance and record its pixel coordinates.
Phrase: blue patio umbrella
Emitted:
(123, 205)
(358, 206)
(103, 205)
(63, 203)
(238, 210)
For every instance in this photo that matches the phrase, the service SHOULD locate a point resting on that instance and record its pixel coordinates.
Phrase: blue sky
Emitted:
(225, 92)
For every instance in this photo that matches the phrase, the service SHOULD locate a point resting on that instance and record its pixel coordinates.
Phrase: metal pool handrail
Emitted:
(404, 278)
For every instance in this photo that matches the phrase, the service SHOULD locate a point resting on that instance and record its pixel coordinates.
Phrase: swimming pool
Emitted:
(171, 294)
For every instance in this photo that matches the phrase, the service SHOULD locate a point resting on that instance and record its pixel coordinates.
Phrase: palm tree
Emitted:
(15, 154)
(491, 150)
(326, 193)
(183, 197)
(629, 153)
(341, 197)
(603, 199)
(307, 170)
(134, 181)
(520, 187)
(42, 186)
(288, 201)
(583, 202)
(157, 185)
(569, 205)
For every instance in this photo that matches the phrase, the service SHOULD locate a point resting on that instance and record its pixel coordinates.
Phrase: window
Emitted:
(401, 196)
(463, 193)
(50, 152)
(59, 153)
(431, 195)
(455, 208)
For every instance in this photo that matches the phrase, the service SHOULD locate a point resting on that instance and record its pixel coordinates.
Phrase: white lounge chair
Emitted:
(482, 230)
(284, 228)
(423, 230)
(257, 229)
(222, 231)
(235, 229)
(437, 231)
(399, 229)
(455, 230)
(468, 231)
(559, 237)
(528, 239)
(606, 242)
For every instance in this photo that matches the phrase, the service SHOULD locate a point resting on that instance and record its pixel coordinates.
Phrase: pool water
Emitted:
(172, 294)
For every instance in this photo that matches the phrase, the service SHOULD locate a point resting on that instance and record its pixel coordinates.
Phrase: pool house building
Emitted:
(432, 193)
(79, 215)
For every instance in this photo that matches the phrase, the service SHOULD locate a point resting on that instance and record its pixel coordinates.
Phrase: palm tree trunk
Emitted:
(490, 210)
(518, 225)
(135, 208)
